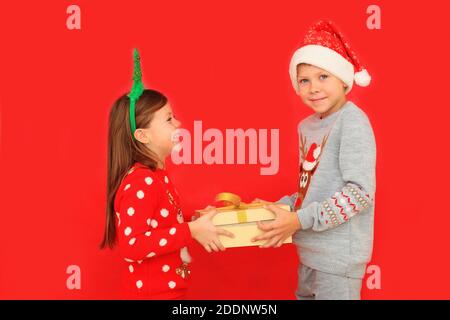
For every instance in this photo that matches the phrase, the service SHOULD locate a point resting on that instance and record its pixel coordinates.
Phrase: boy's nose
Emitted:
(314, 87)
(177, 123)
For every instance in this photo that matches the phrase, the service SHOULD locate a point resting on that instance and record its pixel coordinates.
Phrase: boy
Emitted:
(334, 205)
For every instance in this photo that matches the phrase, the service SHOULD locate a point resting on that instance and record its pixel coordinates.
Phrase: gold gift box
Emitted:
(241, 219)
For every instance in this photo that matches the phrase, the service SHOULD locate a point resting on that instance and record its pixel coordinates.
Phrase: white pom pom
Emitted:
(362, 78)
(185, 256)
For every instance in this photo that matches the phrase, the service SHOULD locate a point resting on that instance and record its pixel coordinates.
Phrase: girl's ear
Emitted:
(141, 136)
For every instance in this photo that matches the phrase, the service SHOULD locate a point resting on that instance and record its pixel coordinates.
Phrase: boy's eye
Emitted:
(323, 76)
(169, 119)
(303, 81)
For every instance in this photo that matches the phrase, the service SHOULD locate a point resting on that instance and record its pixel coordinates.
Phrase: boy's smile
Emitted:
(320, 90)
(317, 101)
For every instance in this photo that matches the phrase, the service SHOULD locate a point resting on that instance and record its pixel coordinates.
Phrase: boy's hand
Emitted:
(286, 223)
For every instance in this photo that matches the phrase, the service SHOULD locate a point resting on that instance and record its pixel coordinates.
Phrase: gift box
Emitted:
(241, 219)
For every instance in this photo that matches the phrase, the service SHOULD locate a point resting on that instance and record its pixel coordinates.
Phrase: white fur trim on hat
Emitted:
(324, 58)
(308, 166)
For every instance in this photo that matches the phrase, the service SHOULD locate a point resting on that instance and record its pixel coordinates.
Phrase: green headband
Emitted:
(136, 90)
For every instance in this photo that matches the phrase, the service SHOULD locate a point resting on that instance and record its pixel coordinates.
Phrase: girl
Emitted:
(143, 215)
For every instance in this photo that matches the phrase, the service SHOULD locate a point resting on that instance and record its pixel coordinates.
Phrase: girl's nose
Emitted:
(177, 123)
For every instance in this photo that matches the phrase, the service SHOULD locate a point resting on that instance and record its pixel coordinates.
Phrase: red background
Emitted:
(225, 63)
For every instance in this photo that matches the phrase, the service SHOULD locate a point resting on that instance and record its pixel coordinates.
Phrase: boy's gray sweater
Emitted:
(337, 212)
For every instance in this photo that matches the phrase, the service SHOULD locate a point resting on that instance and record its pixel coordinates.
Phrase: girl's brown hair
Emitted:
(124, 151)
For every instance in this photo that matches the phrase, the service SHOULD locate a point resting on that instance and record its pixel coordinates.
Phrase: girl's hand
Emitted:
(197, 215)
(204, 231)
(285, 224)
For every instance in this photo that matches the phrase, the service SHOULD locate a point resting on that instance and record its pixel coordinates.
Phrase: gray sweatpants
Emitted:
(317, 285)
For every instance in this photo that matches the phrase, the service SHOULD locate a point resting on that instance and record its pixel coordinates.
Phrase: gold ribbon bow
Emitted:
(233, 202)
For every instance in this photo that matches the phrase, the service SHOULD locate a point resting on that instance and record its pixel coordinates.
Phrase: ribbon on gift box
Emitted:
(233, 203)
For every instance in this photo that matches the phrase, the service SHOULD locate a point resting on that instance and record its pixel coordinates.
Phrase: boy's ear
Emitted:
(141, 136)
(344, 85)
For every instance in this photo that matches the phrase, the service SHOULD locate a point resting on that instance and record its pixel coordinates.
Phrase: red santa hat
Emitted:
(325, 47)
(311, 157)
